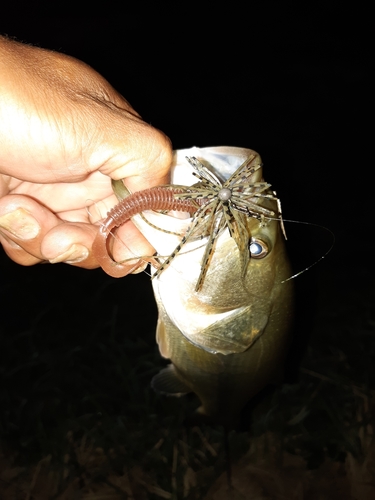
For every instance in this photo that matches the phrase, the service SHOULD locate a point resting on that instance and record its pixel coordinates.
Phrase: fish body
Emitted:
(229, 339)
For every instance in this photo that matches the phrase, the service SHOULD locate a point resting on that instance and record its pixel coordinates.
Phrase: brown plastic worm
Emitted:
(158, 198)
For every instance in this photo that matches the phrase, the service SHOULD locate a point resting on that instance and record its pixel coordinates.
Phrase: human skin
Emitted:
(64, 134)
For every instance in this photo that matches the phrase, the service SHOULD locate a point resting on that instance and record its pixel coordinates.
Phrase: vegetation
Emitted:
(79, 419)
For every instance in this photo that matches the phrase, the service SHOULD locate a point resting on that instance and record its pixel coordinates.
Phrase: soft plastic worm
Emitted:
(158, 198)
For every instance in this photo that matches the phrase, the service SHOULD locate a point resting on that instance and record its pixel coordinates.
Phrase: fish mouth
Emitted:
(232, 332)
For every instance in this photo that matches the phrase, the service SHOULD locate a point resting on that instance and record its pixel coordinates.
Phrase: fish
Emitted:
(220, 281)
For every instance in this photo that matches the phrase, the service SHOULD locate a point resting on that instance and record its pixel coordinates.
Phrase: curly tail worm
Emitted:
(158, 198)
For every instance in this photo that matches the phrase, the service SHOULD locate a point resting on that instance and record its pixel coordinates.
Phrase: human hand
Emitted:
(64, 134)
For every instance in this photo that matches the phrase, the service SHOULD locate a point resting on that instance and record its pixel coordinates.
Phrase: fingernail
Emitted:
(141, 268)
(75, 253)
(20, 224)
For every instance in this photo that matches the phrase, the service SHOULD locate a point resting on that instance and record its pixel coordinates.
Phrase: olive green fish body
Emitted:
(229, 339)
(258, 332)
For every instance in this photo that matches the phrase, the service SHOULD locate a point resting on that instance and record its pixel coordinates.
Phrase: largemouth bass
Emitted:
(224, 306)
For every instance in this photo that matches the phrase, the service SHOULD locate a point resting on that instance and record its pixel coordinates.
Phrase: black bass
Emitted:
(224, 306)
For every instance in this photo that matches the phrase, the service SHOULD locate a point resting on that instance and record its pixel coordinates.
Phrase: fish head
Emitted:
(233, 306)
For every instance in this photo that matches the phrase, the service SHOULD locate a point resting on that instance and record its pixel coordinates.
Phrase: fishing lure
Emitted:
(225, 205)
(214, 205)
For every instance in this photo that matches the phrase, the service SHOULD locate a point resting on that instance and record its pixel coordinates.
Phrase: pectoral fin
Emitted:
(167, 382)
(162, 339)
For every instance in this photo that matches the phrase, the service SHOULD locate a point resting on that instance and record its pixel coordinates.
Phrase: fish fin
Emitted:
(162, 339)
(167, 382)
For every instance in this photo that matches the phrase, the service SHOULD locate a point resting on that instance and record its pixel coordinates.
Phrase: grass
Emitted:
(79, 420)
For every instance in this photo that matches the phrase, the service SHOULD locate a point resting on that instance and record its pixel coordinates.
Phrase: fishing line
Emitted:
(322, 256)
(147, 259)
(95, 204)
(319, 226)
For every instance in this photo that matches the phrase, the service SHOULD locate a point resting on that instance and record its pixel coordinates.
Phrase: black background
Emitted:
(295, 85)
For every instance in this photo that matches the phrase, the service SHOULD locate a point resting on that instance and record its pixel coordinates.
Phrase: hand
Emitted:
(64, 134)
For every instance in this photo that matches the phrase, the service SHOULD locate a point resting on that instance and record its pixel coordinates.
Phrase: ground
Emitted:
(79, 419)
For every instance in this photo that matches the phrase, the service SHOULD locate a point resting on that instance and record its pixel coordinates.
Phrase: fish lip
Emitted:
(216, 338)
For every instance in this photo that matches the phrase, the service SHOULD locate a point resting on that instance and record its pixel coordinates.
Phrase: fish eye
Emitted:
(258, 248)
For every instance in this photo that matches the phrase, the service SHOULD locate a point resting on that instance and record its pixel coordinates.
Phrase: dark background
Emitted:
(296, 86)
